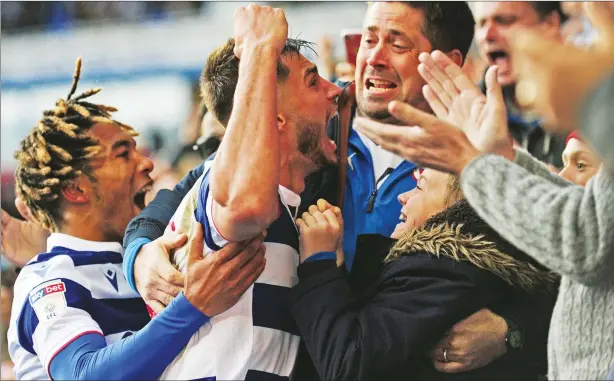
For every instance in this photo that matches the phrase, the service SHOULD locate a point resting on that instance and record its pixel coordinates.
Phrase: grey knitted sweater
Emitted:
(570, 230)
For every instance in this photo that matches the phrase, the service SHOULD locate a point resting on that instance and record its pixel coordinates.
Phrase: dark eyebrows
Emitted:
(123, 143)
(313, 70)
(393, 32)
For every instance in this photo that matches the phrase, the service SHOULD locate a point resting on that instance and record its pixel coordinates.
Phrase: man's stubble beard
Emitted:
(309, 145)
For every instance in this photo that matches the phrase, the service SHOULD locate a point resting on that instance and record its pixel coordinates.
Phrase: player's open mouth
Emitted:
(139, 197)
(379, 86)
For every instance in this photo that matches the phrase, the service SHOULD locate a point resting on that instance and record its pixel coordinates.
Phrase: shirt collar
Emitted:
(288, 197)
(78, 244)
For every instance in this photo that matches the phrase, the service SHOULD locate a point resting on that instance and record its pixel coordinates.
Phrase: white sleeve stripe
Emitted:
(64, 344)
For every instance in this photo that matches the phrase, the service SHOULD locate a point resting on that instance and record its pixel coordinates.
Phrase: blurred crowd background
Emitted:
(147, 57)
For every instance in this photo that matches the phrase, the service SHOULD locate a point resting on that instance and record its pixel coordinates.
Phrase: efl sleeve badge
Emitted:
(48, 300)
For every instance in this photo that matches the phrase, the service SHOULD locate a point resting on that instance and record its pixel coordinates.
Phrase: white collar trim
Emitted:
(289, 197)
(78, 244)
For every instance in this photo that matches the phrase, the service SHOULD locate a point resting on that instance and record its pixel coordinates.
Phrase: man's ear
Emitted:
(456, 57)
(77, 191)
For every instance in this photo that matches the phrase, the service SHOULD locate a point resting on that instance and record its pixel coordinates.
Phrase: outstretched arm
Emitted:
(568, 229)
(143, 355)
(213, 284)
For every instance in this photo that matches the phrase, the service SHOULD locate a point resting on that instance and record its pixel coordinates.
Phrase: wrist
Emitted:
(314, 255)
(514, 337)
(468, 155)
(308, 269)
(261, 49)
(322, 255)
(184, 307)
(192, 300)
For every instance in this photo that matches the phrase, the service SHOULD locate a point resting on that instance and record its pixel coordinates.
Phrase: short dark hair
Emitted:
(545, 9)
(447, 25)
(220, 75)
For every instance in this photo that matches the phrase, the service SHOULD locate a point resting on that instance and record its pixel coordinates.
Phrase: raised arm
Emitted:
(245, 173)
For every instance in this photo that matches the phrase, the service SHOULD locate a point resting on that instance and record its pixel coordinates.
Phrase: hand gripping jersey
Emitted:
(256, 339)
(76, 288)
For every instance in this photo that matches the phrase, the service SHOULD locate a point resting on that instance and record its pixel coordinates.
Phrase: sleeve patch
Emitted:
(49, 300)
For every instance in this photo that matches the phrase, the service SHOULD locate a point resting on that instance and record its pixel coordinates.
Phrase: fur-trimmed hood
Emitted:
(460, 234)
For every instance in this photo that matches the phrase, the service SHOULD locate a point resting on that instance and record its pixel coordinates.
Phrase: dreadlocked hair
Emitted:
(59, 150)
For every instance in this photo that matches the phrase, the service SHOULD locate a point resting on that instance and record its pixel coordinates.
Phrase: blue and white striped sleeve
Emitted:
(203, 214)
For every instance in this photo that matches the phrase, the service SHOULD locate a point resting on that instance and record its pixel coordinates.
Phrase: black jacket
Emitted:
(380, 322)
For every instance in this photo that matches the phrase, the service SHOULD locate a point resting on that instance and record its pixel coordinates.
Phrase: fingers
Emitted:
(171, 240)
(195, 250)
(445, 95)
(331, 219)
(437, 354)
(494, 93)
(446, 73)
(323, 205)
(338, 214)
(249, 273)
(438, 108)
(309, 220)
(23, 209)
(246, 255)
(313, 209)
(319, 217)
(160, 297)
(156, 306)
(169, 274)
(386, 136)
(169, 288)
(233, 249)
(252, 269)
(460, 80)
(450, 367)
(450, 363)
(412, 116)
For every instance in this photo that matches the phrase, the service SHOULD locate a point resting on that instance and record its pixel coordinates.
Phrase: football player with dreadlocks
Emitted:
(74, 316)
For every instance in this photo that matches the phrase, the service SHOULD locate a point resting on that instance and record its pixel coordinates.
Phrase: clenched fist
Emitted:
(321, 229)
(259, 26)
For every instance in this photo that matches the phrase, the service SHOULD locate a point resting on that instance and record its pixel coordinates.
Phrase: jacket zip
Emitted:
(374, 193)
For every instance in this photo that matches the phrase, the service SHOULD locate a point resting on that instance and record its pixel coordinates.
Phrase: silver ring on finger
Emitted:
(445, 355)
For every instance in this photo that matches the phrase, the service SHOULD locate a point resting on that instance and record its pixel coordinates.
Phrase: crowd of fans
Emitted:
(18, 16)
(488, 130)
